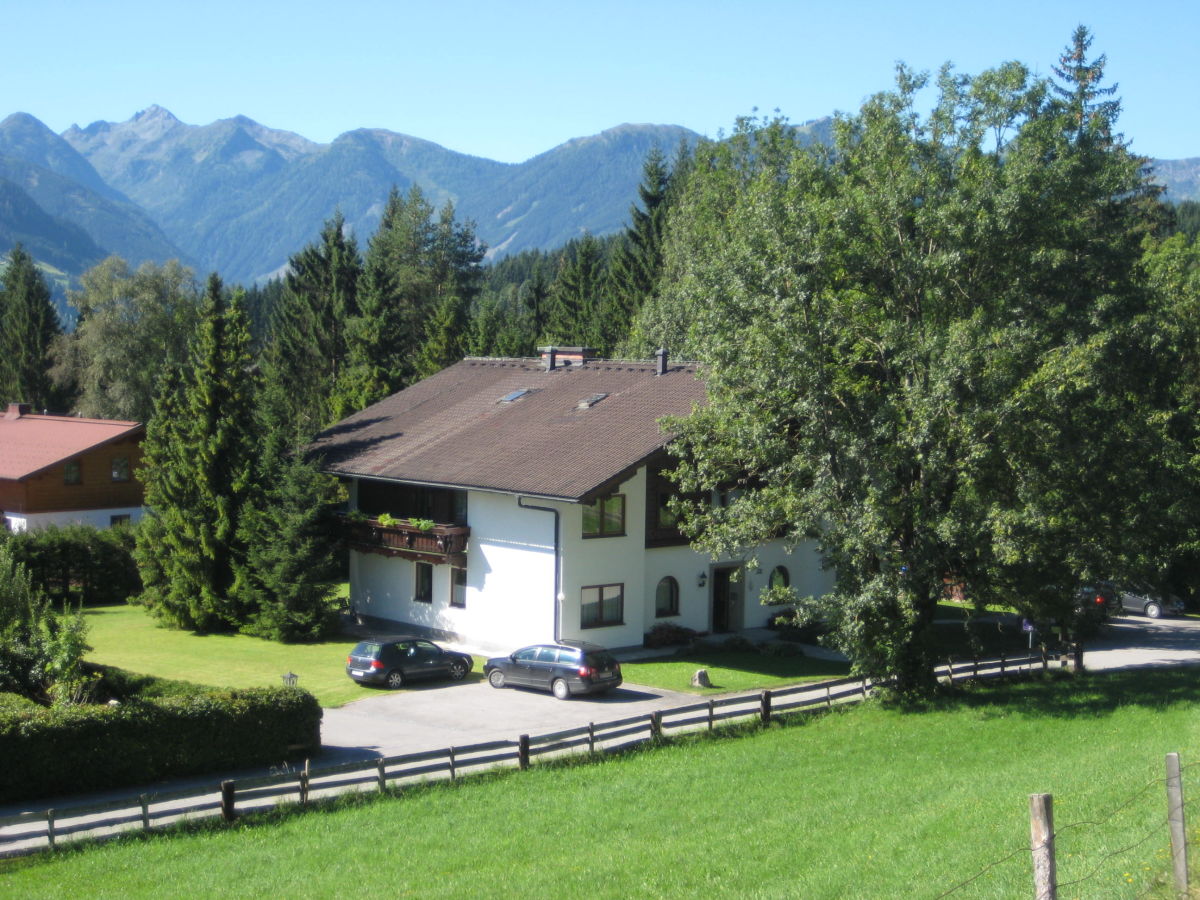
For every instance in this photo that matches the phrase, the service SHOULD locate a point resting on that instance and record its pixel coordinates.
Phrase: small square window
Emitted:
(119, 519)
(605, 517)
(603, 605)
(73, 472)
(120, 468)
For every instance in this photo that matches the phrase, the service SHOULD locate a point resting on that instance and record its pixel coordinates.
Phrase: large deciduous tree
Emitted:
(922, 351)
(132, 326)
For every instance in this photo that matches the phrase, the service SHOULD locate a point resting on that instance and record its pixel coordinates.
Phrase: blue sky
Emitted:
(509, 80)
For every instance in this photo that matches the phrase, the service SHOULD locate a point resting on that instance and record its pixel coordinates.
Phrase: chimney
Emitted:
(16, 410)
(549, 357)
(660, 367)
(565, 357)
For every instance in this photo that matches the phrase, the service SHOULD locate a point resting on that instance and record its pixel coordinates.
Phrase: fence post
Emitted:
(828, 697)
(712, 709)
(1041, 829)
(591, 737)
(228, 800)
(1003, 660)
(764, 707)
(145, 812)
(655, 725)
(1045, 659)
(303, 782)
(50, 827)
(382, 775)
(975, 670)
(452, 772)
(864, 688)
(523, 751)
(1175, 819)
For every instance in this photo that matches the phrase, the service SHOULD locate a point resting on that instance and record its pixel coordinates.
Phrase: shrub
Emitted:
(781, 648)
(667, 634)
(79, 563)
(70, 749)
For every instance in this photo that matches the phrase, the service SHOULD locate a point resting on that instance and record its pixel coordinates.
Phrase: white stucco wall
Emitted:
(510, 596)
(97, 518)
(510, 579)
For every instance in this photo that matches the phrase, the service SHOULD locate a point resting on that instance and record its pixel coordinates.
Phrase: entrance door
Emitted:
(726, 600)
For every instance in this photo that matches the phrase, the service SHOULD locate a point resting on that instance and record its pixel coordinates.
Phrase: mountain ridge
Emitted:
(239, 197)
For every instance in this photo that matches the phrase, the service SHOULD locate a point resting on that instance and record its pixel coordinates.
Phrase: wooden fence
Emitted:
(30, 831)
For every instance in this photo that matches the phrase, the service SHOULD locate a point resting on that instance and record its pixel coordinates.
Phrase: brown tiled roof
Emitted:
(30, 444)
(453, 429)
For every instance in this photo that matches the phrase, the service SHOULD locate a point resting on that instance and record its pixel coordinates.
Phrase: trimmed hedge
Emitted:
(79, 563)
(73, 749)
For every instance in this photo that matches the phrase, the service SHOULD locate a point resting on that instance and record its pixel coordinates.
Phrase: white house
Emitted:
(521, 501)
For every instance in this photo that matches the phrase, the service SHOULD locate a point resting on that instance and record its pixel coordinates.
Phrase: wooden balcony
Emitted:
(441, 544)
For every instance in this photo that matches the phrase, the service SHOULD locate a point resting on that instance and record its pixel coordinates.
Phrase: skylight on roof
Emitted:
(513, 396)
(591, 401)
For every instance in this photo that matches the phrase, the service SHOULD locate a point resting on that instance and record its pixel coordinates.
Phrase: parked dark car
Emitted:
(395, 661)
(564, 668)
(1150, 603)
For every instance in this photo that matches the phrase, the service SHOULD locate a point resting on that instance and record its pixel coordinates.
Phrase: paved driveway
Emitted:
(441, 714)
(437, 715)
(1135, 641)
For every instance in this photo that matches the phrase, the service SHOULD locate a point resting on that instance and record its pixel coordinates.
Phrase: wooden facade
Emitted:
(49, 490)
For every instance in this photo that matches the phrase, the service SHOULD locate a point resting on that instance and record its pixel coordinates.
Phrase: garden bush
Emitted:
(666, 634)
(79, 563)
(71, 749)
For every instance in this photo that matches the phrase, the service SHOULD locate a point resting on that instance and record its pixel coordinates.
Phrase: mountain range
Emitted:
(238, 198)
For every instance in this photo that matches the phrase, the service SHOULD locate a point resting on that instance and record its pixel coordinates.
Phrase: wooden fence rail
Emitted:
(30, 831)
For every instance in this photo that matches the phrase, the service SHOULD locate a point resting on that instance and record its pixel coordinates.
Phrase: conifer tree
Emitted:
(576, 296)
(198, 459)
(637, 259)
(306, 347)
(28, 327)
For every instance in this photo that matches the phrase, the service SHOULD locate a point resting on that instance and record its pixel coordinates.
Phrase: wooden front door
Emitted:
(726, 600)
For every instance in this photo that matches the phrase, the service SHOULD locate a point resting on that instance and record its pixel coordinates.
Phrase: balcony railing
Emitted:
(439, 544)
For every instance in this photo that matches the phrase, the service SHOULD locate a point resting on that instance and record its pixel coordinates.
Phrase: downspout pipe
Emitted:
(557, 556)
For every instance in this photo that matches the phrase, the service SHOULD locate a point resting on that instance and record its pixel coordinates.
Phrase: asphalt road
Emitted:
(1130, 642)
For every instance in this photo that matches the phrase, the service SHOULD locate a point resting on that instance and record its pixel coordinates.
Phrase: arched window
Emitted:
(666, 598)
(779, 577)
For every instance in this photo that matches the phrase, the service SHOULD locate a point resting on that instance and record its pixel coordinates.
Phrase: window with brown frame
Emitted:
(120, 468)
(666, 598)
(605, 517)
(72, 472)
(603, 605)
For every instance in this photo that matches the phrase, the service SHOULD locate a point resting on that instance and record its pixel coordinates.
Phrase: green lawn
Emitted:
(729, 670)
(861, 803)
(127, 637)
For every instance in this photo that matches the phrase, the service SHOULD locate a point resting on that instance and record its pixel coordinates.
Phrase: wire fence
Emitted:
(1174, 809)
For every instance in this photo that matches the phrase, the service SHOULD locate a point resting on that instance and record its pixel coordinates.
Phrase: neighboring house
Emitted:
(540, 511)
(60, 470)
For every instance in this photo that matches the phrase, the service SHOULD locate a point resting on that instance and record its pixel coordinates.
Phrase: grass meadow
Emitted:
(868, 802)
(129, 638)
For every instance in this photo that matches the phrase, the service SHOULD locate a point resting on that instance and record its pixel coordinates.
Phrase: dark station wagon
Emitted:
(395, 661)
(564, 668)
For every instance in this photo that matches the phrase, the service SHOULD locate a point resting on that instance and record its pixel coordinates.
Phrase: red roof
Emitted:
(30, 444)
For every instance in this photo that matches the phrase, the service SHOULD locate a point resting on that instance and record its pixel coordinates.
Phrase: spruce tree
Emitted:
(28, 327)
(306, 347)
(197, 468)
